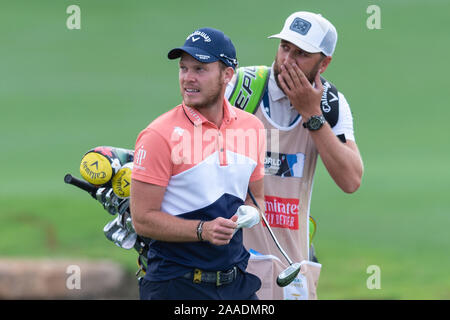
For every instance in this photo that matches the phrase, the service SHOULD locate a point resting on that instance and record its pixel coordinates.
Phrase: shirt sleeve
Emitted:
(152, 159)
(344, 124)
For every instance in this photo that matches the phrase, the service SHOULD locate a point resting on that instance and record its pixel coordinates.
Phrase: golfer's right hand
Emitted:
(220, 230)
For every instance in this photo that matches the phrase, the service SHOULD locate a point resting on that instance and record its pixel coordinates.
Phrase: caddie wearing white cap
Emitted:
(304, 116)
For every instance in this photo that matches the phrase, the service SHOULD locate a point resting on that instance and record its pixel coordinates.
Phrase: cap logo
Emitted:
(202, 56)
(205, 37)
(300, 26)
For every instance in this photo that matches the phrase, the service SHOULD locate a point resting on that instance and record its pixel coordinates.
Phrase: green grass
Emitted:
(65, 91)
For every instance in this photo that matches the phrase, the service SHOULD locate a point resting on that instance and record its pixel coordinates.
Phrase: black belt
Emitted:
(217, 277)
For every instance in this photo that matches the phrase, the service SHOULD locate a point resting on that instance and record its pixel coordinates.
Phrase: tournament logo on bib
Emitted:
(284, 165)
(282, 212)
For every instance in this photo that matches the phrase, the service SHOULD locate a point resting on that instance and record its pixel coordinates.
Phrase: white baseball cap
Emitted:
(310, 32)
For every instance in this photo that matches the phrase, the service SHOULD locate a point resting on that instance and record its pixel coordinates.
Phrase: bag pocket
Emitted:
(304, 286)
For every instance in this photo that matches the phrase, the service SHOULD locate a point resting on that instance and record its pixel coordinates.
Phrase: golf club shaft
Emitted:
(270, 229)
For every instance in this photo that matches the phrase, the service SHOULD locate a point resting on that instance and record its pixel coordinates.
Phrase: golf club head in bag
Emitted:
(121, 231)
(110, 201)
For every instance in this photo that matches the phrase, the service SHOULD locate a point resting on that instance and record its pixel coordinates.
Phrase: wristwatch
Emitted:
(314, 123)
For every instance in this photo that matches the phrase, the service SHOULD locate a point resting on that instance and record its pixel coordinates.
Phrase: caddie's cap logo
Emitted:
(300, 26)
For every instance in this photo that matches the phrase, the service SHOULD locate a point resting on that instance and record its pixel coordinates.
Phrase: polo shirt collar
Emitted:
(193, 115)
(197, 118)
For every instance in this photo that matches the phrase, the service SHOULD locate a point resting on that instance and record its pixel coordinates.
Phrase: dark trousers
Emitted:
(244, 287)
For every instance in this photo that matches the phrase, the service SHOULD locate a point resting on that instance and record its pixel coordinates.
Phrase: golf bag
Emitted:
(107, 178)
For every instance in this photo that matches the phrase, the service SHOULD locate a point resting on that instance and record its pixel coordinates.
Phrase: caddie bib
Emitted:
(290, 165)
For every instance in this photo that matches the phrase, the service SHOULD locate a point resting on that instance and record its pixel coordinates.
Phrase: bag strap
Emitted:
(330, 102)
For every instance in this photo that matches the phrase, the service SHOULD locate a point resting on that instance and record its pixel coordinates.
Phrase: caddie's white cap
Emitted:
(310, 32)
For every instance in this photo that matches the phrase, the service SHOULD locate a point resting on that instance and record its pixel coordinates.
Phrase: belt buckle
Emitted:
(231, 273)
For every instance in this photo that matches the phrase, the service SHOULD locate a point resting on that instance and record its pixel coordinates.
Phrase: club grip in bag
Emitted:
(69, 179)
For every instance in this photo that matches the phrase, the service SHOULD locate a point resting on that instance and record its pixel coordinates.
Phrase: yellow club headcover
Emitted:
(121, 182)
(95, 168)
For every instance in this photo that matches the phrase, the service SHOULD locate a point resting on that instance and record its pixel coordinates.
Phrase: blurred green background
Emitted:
(64, 91)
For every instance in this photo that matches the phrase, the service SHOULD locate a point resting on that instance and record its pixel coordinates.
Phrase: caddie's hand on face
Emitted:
(303, 96)
(220, 230)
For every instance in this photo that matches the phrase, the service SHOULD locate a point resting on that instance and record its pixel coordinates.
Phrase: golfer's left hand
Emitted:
(303, 96)
(220, 230)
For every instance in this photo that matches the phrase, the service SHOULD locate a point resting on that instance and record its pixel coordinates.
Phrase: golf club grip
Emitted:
(69, 179)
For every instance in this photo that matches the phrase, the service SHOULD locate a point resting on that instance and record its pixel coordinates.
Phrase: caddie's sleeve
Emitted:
(258, 173)
(152, 161)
